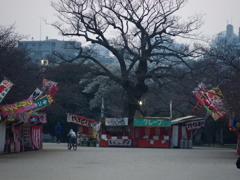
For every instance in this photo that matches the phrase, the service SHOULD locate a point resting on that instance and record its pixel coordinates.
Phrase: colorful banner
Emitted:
(217, 100)
(50, 98)
(214, 103)
(5, 86)
(211, 100)
(80, 120)
(40, 103)
(47, 84)
(152, 122)
(36, 94)
(201, 88)
(214, 115)
(18, 107)
(195, 124)
(53, 90)
(116, 121)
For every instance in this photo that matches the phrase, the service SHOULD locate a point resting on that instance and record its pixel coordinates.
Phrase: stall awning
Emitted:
(186, 119)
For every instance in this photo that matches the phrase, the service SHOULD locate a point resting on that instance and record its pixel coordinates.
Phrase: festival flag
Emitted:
(37, 92)
(50, 98)
(47, 84)
(53, 90)
(201, 88)
(219, 101)
(197, 108)
(102, 109)
(214, 103)
(5, 86)
(210, 100)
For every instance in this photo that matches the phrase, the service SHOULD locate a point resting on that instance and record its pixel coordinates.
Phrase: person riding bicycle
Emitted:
(73, 137)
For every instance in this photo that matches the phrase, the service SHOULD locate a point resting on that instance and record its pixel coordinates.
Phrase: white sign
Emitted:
(119, 142)
(116, 121)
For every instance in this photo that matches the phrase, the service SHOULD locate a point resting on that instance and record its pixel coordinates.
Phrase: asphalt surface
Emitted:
(55, 162)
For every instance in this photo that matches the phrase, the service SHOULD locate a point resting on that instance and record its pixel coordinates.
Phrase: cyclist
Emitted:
(73, 137)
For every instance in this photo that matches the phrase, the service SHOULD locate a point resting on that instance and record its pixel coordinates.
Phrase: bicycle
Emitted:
(72, 144)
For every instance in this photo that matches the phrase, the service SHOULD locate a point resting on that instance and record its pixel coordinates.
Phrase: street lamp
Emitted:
(44, 64)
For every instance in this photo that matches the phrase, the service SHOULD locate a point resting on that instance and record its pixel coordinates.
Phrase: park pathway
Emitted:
(55, 162)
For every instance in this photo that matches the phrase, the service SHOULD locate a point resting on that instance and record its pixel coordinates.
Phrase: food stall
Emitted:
(182, 128)
(22, 132)
(151, 132)
(115, 132)
(234, 125)
(86, 135)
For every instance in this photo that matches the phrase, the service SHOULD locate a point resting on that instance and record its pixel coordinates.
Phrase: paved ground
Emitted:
(55, 162)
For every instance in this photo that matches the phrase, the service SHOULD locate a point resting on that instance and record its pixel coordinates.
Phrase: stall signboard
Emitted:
(18, 107)
(195, 124)
(116, 121)
(119, 142)
(40, 103)
(83, 121)
(152, 122)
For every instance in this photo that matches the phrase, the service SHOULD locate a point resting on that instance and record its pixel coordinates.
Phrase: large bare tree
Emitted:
(16, 65)
(139, 33)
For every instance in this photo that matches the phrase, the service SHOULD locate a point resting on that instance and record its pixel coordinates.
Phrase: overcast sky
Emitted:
(27, 14)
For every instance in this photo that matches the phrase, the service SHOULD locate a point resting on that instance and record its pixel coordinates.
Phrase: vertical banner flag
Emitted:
(170, 107)
(47, 84)
(5, 86)
(102, 109)
(53, 90)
